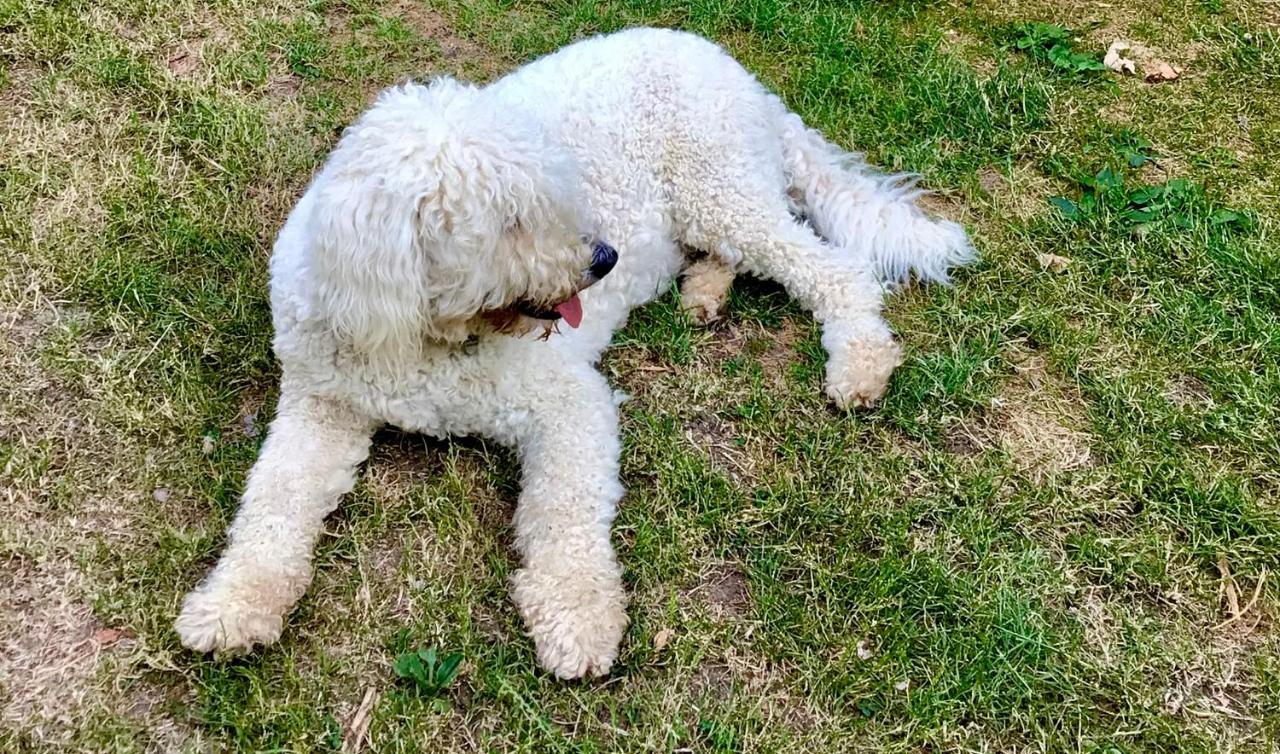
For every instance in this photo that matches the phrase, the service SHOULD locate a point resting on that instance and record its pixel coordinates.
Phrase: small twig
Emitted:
(1236, 611)
(1225, 710)
(359, 724)
(213, 163)
(1228, 585)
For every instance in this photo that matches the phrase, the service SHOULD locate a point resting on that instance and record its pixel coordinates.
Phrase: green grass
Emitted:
(1020, 549)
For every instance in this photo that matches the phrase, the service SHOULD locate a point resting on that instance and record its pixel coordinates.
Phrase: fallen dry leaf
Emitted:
(1162, 71)
(1053, 262)
(107, 636)
(1115, 61)
(662, 638)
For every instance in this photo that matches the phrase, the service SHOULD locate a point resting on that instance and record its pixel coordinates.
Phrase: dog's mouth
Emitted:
(570, 310)
(603, 259)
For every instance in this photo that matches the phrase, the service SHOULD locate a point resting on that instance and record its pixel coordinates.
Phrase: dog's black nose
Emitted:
(603, 258)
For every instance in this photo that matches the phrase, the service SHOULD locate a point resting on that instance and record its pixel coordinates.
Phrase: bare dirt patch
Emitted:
(944, 204)
(992, 181)
(68, 488)
(724, 590)
(1101, 633)
(972, 50)
(284, 85)
(775, 348)
(1039, 442)
(738, 672)
(182, 62)
(1026, 192)
(48, 649)
(717, 438)
(432, 25)
(54, 654)
(1215, 687)
(1039, 425)
(965, 438)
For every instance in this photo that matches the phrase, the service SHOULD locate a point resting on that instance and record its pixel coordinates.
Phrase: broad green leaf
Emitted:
(1146, 195)
(448, 668)
(408, 666)
(1136, 159)
(1107, 179)
(1068, 208)
(1225, 216)
(1060, 55)
(1086, 62)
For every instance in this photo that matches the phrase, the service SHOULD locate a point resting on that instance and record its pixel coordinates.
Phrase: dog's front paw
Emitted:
(859, 367)
(576, 620)
(223, 618)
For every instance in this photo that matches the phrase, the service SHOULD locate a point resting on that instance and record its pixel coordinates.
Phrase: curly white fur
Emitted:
(445, 204)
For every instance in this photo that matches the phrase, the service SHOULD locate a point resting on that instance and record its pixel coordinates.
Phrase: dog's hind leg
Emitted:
(750, 225)
(841, 291)
(307, 463)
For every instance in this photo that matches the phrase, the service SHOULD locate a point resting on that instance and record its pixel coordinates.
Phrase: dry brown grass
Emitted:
(1034, 419)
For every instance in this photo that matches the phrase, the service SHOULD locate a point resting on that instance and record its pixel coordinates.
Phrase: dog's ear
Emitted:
(374, 213)
(367, 266)
(413, 220)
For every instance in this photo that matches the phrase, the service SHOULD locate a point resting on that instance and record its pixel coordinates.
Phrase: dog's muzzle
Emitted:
(603, 259)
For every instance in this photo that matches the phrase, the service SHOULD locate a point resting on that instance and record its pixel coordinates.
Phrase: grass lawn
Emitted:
(1059, 532)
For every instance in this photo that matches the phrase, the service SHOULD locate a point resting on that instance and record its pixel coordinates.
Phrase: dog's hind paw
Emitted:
(705, 289)
(859, 367)
(576, 620)
(219, 620)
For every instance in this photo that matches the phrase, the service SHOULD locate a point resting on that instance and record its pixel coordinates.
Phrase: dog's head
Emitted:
(442, 214)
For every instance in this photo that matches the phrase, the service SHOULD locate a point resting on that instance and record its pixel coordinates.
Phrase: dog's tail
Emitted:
(870, 214)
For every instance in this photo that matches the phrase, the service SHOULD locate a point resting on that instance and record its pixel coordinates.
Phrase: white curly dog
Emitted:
(422, 279)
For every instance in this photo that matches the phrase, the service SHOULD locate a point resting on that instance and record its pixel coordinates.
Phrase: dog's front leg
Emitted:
(570, 588)
(307, 463)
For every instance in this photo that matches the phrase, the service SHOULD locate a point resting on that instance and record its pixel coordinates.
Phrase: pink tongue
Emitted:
(571, 310)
